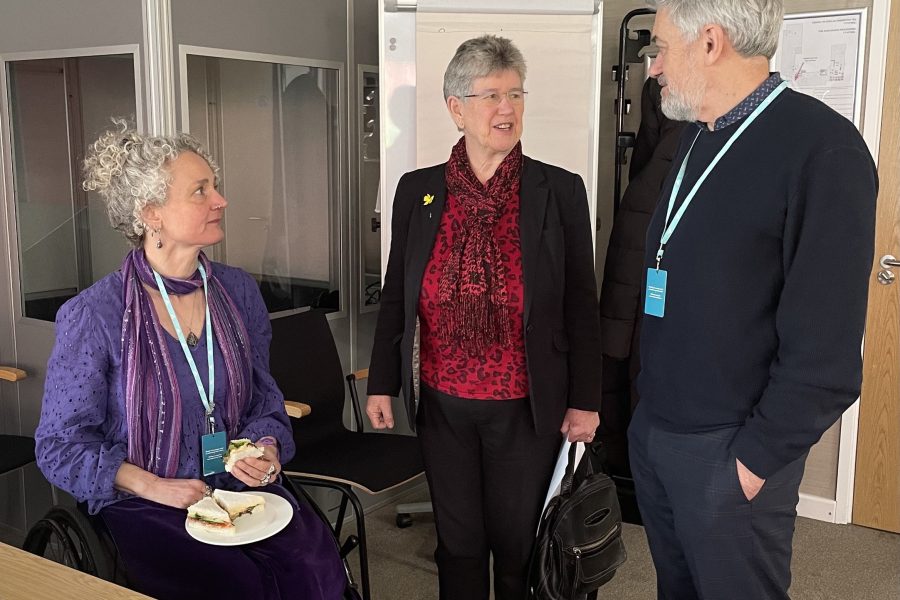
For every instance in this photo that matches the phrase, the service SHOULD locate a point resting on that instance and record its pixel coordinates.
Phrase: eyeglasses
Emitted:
(516, 97)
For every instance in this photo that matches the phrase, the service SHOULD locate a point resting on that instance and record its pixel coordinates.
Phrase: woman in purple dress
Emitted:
(159, 360)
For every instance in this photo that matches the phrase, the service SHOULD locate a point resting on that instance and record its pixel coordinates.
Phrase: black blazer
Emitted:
(562, 330)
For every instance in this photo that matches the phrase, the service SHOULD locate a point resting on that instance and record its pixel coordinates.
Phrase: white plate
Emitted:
(277, 513)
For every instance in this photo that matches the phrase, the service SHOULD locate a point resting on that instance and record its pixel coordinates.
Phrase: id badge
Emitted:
(213, 452)
(655, 297)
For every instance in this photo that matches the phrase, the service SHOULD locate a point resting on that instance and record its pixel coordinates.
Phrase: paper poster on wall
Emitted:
(822, 54)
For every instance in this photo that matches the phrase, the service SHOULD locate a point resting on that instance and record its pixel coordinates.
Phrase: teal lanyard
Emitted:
(670, 228)
(208, 398)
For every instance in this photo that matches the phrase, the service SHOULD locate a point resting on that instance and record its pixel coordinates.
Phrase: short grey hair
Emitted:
(480, 57)
(129, 171)
(753, 26)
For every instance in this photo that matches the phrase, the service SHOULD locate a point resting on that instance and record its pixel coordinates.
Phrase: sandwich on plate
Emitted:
(206, 515)
(239, 503)
(239, 449)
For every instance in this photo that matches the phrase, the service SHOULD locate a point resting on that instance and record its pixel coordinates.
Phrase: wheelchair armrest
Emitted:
(297, 410)
(354, 396)
(12, 373)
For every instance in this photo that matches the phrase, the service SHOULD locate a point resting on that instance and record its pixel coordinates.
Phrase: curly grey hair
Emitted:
(753, 26)
(479, 57)
(129, 171)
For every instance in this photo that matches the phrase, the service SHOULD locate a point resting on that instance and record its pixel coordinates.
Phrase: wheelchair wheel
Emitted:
(67, 537)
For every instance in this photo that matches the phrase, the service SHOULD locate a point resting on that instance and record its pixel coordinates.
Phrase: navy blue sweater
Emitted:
(767, 283)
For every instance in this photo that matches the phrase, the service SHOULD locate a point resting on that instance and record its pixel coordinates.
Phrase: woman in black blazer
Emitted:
(491, 253)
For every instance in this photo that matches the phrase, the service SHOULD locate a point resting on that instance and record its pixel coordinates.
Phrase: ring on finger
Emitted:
(271, 470)
(265, 480)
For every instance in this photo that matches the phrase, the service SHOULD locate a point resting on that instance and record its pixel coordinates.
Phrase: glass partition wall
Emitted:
(57, 107)
(275, 130)
(369, 164)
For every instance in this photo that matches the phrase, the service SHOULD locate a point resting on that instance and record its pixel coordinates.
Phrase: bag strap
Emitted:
(568, 481)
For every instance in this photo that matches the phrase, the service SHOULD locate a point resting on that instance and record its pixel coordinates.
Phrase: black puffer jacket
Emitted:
(655, 146)
(620, 296)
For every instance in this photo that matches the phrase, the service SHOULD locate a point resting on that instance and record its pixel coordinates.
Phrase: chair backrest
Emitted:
(15, 451)
(306, 366)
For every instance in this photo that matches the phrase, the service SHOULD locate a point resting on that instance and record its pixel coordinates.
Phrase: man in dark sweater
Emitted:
(757, 266)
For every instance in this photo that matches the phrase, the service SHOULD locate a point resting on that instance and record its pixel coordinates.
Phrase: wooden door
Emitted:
(876, 500)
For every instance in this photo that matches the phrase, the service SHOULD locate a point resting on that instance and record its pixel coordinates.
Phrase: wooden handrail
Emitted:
(12, 374)
(361, 374)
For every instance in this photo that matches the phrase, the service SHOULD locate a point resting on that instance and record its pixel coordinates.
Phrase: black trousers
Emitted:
(706, 539)
(488, 472)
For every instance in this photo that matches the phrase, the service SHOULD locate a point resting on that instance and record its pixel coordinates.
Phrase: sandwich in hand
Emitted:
(239, 503)
(240, 449)
(206, 515)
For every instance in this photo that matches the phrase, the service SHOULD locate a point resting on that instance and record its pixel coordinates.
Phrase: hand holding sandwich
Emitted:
(257, 466)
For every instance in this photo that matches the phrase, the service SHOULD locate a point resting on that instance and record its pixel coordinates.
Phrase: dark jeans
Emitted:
(163, 561)
(706, 539)
(488, 472)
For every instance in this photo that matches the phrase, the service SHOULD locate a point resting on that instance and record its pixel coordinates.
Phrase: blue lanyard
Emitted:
(670, 228)
(208, 398)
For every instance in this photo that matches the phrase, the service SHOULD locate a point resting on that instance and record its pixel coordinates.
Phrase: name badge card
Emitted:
(655, 296)
(213, 452)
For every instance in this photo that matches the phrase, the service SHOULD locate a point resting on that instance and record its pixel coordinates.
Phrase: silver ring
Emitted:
(265, 480)
(271, 469)
(207, 491)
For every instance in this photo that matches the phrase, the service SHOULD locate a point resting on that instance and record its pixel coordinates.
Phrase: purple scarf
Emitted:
(152, 395)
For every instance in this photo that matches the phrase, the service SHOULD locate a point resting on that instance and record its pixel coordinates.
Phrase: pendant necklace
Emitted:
(192, 339)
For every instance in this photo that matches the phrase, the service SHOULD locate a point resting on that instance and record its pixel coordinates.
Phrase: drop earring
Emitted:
(158, 239)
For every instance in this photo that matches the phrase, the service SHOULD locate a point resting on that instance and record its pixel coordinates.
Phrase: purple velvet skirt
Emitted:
(162, 560)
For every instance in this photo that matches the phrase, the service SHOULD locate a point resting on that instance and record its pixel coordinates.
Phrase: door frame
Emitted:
(878, 45)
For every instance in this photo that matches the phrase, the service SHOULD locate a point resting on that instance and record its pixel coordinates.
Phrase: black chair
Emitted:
(16, 451)
(305, 364)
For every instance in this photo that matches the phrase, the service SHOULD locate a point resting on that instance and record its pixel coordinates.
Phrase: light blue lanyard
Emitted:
(208, 399)
(670, 228)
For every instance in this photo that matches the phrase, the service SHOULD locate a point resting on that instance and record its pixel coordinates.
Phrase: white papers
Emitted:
(560, 469)
(821, 54)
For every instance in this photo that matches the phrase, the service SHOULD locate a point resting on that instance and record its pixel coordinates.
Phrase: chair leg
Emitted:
(363, 545)
(347, 494)
(342, 512)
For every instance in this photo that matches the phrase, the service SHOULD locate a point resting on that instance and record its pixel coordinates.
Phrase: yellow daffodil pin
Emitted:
(428, 199)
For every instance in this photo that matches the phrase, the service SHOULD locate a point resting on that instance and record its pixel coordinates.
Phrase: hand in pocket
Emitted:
(750, 483)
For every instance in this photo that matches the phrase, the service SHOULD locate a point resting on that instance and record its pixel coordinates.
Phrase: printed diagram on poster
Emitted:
(822, 54)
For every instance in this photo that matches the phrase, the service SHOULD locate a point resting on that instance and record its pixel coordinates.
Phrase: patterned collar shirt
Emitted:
(748, 104)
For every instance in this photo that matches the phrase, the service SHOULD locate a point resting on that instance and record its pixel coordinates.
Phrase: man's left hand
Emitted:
(580, 425)
(750, 483)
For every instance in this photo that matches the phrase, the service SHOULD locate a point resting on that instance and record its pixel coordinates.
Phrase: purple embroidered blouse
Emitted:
(81, 437)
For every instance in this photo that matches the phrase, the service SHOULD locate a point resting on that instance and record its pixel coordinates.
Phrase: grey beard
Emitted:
(679, 108)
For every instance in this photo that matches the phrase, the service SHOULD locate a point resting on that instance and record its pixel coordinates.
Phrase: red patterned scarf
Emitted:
(472, 289)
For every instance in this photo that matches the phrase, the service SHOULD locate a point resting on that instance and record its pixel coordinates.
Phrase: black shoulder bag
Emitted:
(579, 542)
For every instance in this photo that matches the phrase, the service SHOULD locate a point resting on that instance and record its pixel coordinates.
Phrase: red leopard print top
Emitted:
(501, 372)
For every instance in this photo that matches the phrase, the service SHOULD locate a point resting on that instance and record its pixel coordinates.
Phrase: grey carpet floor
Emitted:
(831, 562)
